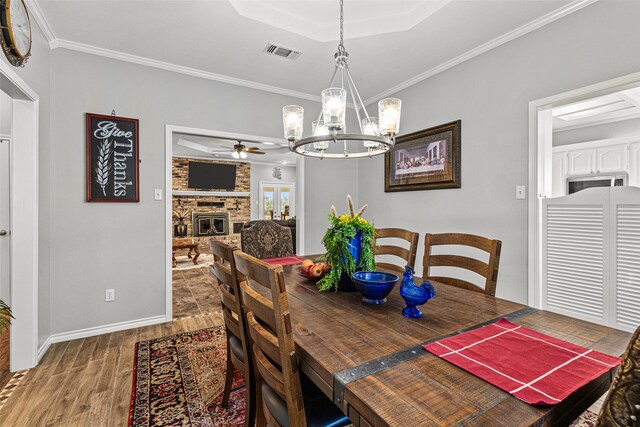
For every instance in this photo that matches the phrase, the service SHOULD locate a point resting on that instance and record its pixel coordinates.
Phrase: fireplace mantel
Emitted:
(211, 193)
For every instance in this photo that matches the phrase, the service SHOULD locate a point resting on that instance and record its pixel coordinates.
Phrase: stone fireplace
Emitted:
(219, 214)
(207, 224)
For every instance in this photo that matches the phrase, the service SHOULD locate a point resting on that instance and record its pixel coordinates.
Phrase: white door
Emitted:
(5, 221)
(591, 256)
(277, 200)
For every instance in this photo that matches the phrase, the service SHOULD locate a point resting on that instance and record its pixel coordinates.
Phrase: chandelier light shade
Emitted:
(329, 137)
(235, 155)
(292, 119)
(389, 113)
(334, 107)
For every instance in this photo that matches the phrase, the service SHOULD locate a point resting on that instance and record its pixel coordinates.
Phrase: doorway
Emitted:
(277, 200)
(565, 224)
(179, 138)
(19, 120)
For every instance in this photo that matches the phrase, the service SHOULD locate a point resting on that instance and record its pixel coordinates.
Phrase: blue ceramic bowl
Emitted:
(374, 285)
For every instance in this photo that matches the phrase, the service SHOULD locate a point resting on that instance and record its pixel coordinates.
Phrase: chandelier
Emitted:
(329, 132)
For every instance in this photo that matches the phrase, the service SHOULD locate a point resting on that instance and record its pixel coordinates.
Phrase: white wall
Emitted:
(262, 172)
(36, 74)
(96, 245)
(596, 133)
(490, 94)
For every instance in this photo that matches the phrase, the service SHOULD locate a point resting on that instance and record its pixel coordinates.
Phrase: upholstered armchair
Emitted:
(266, 239)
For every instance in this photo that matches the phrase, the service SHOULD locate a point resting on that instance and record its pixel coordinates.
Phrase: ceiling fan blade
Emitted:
(229, 148)
(251, 149)
(257, 152)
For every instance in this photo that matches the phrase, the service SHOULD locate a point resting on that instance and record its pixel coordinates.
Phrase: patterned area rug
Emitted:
(178, 381)
(184, 263)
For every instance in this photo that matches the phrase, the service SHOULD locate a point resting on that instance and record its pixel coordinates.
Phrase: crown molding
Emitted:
(121, 56)
(55, 43)
(492, 44)
(38, 16)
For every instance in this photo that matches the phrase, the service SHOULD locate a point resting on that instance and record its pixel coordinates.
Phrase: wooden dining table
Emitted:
(369, 358)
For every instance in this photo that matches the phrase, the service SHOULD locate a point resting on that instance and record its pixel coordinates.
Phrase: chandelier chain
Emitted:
(342, 24)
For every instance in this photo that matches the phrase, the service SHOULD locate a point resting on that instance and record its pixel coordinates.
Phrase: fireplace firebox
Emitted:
(210, 224)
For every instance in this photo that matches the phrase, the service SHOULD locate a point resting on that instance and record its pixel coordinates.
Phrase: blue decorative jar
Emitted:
(355, 247)
(414, 295)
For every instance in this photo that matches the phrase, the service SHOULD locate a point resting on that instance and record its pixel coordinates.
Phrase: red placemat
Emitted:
(287, 260)
(534, 367)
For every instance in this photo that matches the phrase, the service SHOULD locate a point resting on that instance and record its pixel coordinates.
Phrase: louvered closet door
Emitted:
(575, 246)
(625, 274)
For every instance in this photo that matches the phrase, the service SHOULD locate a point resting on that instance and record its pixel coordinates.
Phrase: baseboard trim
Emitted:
(44, 348)
(100, 330)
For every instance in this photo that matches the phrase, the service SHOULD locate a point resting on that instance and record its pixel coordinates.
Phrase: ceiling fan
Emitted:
(240, 151)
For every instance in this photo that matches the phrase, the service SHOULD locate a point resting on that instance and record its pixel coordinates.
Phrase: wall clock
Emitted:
(16, 31)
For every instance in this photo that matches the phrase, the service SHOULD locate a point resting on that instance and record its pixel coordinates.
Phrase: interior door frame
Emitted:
(278, 184)
(167, 194)
(23, 191)
(540, 152)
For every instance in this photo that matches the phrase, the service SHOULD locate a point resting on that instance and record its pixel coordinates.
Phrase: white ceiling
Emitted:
(623, 105)
(196, 146)
(214, 37)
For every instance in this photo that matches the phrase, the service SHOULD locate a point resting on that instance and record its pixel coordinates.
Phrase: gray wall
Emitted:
(36, 74)
(596, 133)
(262, 172)
(97, 245)
(490, 94)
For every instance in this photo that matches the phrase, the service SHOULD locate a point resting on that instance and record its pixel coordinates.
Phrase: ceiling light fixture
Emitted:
(377, 134)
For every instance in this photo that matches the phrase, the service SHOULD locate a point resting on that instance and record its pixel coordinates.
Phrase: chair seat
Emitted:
(236, 347)
(319, 410)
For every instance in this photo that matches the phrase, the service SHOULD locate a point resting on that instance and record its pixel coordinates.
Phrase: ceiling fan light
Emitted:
(235, 155)
(334, 106)
(292, 119)
(389, 113)
(243, 155)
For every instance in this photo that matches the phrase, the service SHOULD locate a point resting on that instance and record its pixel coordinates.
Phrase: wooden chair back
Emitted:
(488, 270)
(223, 270)
(270, 329)
(408, 255)
(622, 405)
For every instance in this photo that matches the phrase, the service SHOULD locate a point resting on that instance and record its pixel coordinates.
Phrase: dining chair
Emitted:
(266, 239)
(288, 397)
(408, 255)
(622, 405)
(239, 356)
(488, 270)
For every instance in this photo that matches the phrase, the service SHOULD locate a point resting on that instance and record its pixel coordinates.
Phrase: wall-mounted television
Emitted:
(212, 176)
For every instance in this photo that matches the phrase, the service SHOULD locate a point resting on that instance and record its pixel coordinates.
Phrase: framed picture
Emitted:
(112, 159)
(425, 160)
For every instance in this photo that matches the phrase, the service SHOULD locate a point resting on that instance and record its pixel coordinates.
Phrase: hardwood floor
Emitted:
(87, 382)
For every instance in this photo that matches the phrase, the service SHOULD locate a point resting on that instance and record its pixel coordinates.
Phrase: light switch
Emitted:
(521, 192)
(158, 194)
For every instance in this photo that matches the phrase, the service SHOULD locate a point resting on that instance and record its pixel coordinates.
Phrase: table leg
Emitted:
(189, 254)
(173, 259)
(196, 251)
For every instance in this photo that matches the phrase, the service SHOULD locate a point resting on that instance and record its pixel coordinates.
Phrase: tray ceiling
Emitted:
(214, 37)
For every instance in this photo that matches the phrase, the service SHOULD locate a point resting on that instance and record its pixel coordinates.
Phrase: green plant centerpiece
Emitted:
(343, 248)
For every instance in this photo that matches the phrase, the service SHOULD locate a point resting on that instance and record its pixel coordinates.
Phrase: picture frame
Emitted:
(425, 160)
(112, 159)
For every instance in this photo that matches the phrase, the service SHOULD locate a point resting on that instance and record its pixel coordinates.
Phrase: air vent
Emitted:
(285, 52)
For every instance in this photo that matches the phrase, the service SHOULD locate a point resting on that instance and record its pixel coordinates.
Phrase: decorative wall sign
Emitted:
(112, 159)
(424, 160)
(277, 173)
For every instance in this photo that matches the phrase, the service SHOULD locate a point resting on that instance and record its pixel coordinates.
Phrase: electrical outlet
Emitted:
(521, 192)
(110, 295)
(158, 194)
